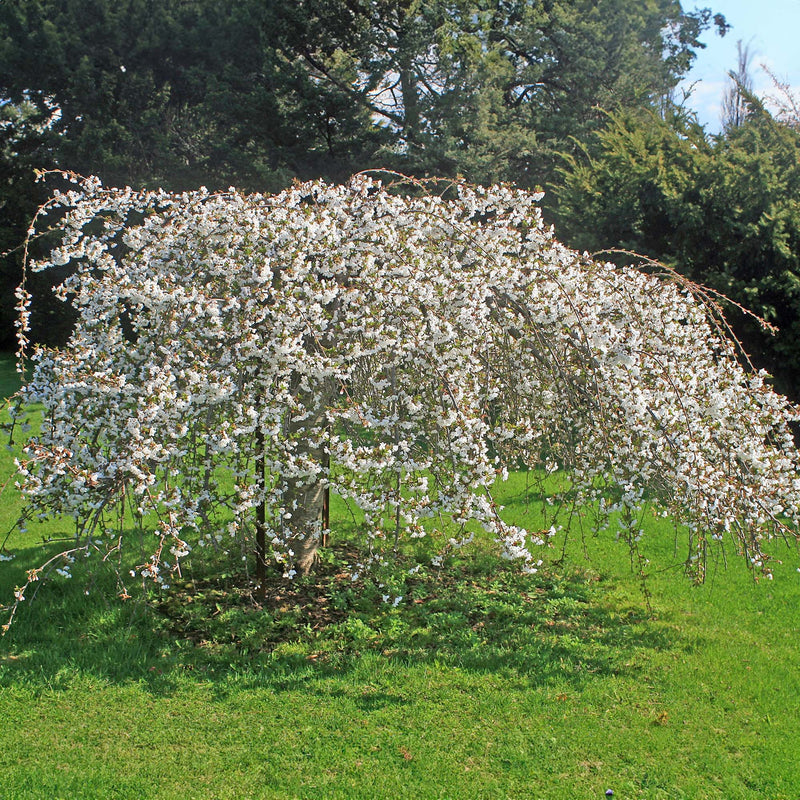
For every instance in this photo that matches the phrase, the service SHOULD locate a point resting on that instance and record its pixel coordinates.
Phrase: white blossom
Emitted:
(404, 351)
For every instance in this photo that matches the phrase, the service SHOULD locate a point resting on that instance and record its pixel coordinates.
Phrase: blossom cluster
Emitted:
(402, 349)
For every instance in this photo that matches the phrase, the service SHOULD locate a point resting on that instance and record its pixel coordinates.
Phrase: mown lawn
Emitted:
(483, 684)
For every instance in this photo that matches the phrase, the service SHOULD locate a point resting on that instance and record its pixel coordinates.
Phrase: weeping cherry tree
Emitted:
(236, 357)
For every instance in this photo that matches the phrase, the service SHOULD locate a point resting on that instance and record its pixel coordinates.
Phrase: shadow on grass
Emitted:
(477, 616)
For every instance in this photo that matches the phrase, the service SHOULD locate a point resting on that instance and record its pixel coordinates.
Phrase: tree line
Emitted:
(573, 96)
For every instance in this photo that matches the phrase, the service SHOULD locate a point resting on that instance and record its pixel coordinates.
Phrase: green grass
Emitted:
(482, 683)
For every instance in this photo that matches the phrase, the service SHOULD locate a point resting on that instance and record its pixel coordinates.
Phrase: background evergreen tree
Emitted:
(723, 210)
(180, 93)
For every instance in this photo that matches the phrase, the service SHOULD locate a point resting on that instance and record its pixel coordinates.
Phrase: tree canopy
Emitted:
(237, 354)
(175, 93)
(491, 90)
(179, 93)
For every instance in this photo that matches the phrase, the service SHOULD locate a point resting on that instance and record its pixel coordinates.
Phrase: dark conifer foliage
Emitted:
(182, 93)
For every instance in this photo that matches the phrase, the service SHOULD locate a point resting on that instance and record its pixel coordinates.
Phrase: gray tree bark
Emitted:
(305, 497)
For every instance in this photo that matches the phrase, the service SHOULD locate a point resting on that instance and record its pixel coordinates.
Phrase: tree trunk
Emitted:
(261, 521)
(305, 538)
(408, 84)
(305, 498)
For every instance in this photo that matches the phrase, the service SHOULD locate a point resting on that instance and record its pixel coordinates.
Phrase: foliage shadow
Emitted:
(474, 617)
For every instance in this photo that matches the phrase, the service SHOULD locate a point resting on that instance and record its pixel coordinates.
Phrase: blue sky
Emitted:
(771, 29)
